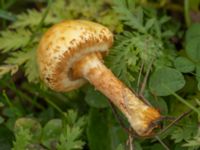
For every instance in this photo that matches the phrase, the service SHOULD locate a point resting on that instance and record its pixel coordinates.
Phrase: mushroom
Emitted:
(71, 53)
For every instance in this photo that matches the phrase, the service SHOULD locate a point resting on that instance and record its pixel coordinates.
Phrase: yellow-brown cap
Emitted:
(66, 43)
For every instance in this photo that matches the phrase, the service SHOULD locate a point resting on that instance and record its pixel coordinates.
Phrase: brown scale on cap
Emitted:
(71, 53)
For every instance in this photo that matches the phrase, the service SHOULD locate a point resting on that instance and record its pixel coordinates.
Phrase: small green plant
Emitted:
(54, 135)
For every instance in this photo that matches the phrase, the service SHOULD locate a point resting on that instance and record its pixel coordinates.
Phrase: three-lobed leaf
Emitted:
(184, 65)
(164, 79)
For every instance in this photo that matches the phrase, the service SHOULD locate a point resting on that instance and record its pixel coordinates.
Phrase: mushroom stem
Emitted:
(141, 116)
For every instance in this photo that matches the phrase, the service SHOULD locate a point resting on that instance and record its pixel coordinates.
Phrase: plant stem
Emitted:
(162, 143)
(41, 21)
(139, 77)
(7, 99)
(183, 101)
(54, 106)
(187, 13)
(186, 103)
(145, 78)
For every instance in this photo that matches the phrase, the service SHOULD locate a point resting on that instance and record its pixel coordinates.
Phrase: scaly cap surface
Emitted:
(64, 44)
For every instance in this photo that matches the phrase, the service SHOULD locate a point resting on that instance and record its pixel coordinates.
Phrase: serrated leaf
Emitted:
(70, 139)
(71, 117)
(73, 120)
(149, 23)
(19, 57)
(34, 18)
(12, 69)
(165, 78)
(12, 40)
(23, 139)
(27, 132)
(192, 143)
(184, 65)
(31, 68)
(28, 58)
(185, 132)
(95, 98)
(131, 48)
(133, 20)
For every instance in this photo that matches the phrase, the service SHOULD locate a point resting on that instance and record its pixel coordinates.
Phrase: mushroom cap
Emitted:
(66, 43)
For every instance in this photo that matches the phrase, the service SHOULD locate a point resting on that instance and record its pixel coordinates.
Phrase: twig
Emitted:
(130, 142)
(162, 143)
(144, 100)
(119, 120)
(175, 121)
(139, 77)
(145, 78)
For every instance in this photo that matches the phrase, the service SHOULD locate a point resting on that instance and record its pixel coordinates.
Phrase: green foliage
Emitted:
(69, 139)
(98, 129)
(192, 42)
(102, 132)
(164, 79)
(192, 47)
(23, 138)
(95, 98)
(4, 69)
(198, 75)
(24, 34)
(28, 59)
(55, 134)
(195, 143)
(184, 65)
(6, 15)
(34, 18)
(6, 138)
(148, 45)
(51, 132)
(186, 132)
(134, 20)
(12, 40)
(131, 50)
